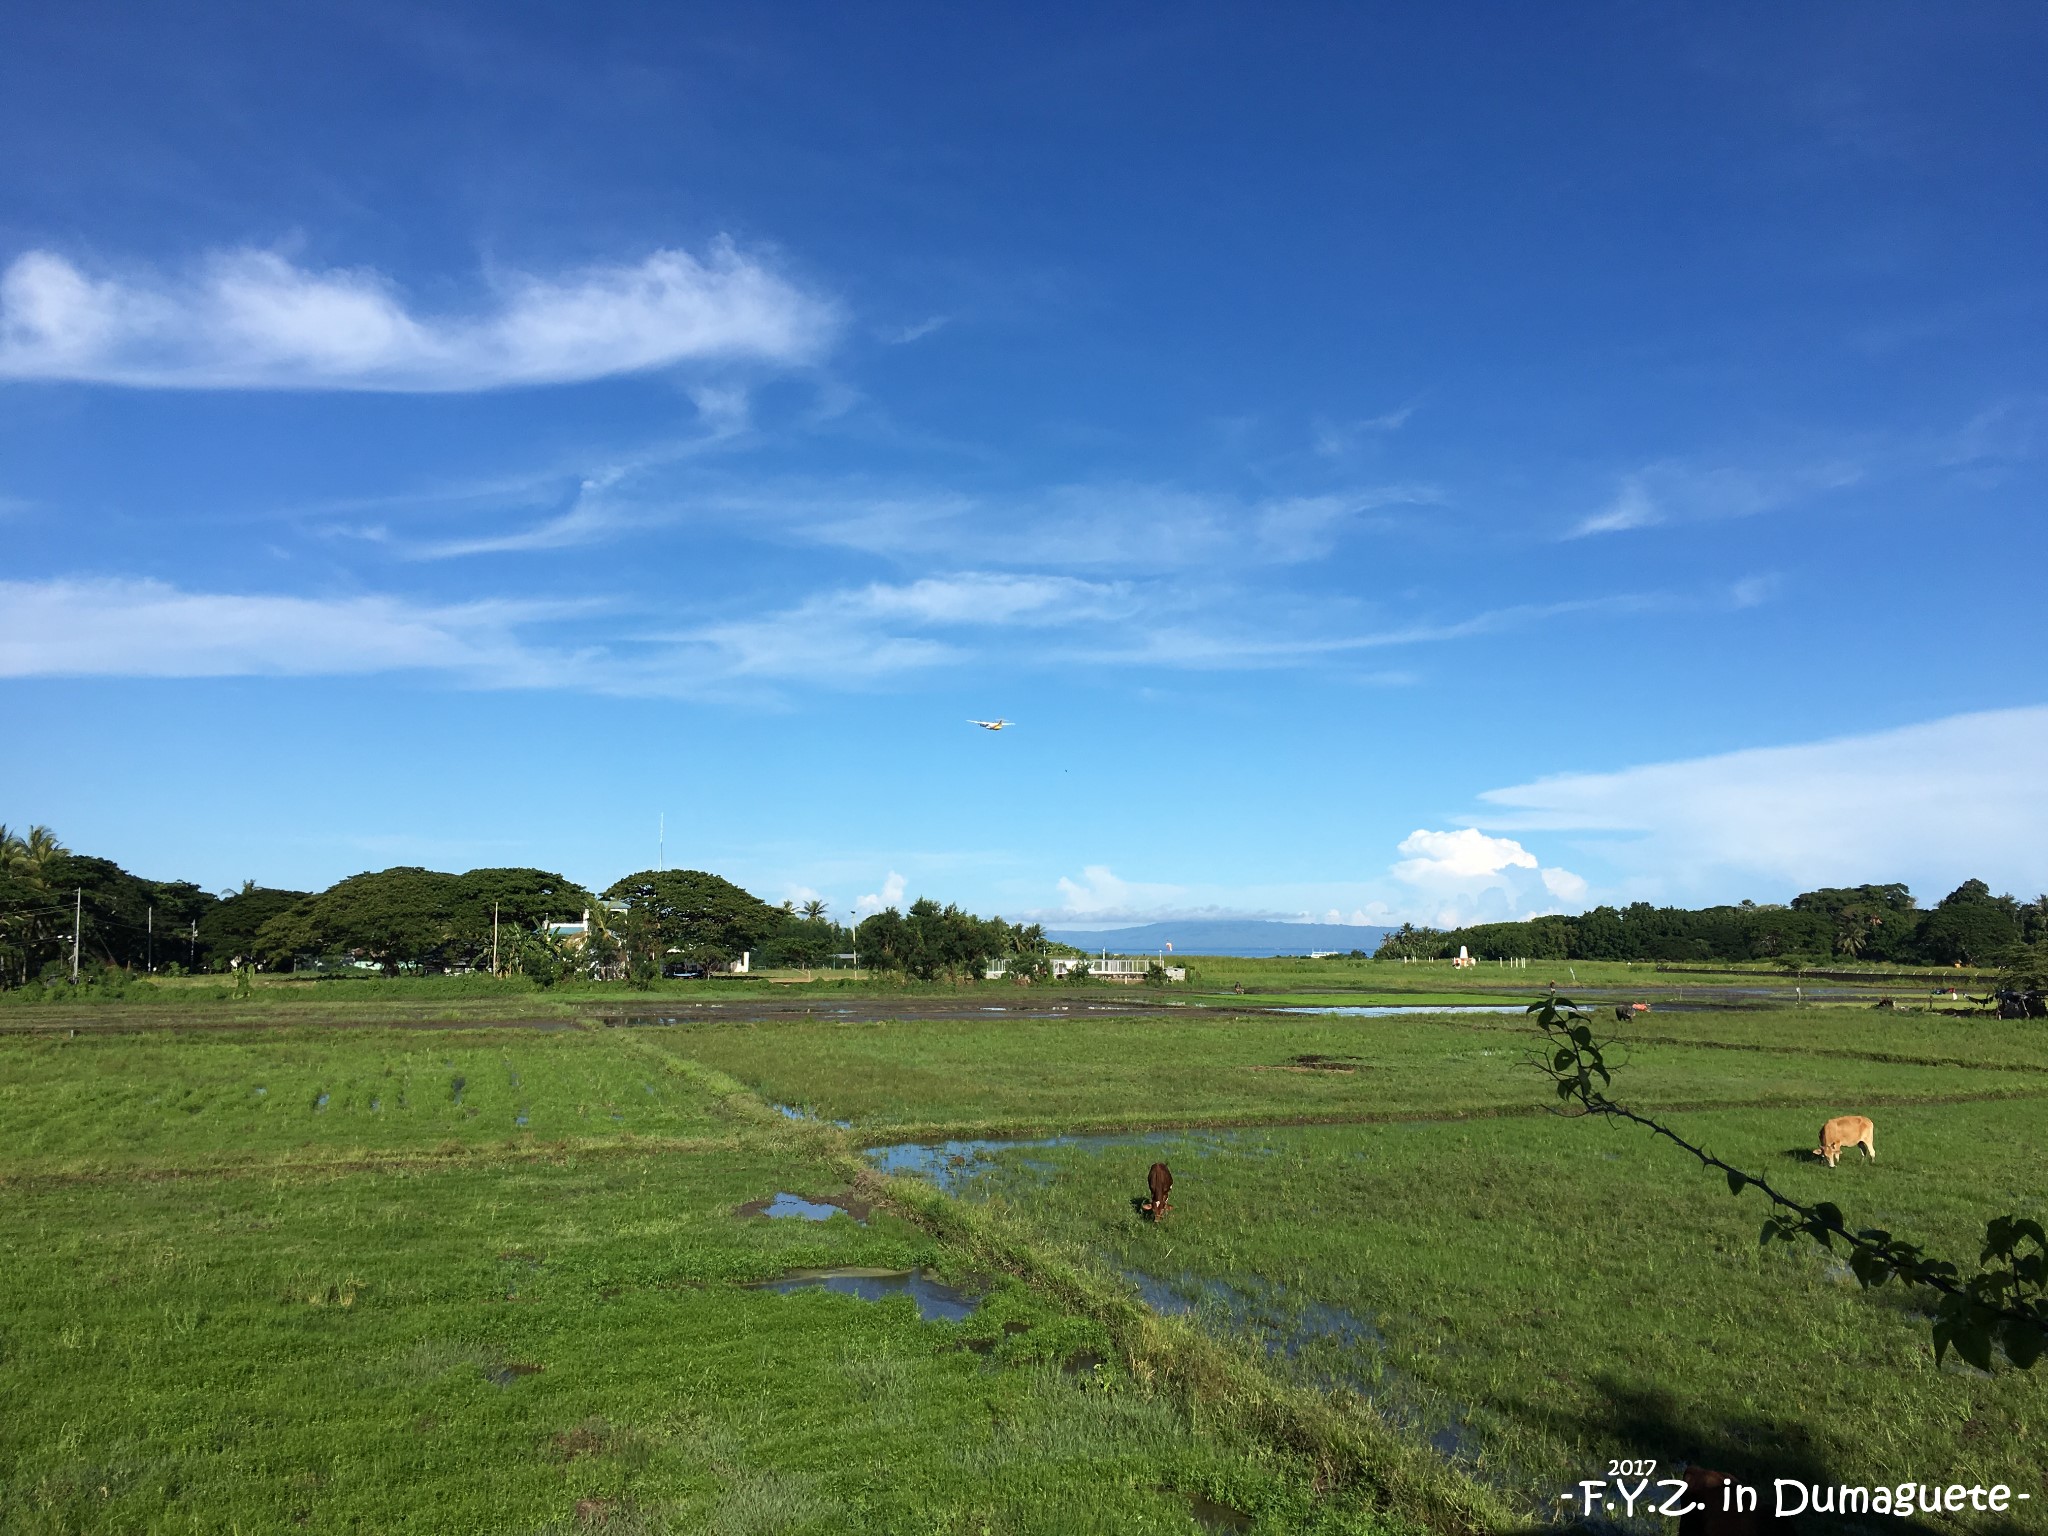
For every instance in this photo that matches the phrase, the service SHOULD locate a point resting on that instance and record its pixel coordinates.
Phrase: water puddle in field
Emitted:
(320, 1103)
(260, 1092)
(1320, 1344)
(879, 1011)
(936, 1301)
(512, 1075)
(791, 1112)
(376, 1106)
(455, 1087)
(1213, 1516)
(1348, 1011)
(953, 1164)
(505, 1375)
(521, 1118)
(786, 1206)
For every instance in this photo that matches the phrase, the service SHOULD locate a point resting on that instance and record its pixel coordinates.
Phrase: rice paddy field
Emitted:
(322, 1263)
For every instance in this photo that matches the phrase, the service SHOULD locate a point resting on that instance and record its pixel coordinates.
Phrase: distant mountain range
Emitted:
(1225, 936)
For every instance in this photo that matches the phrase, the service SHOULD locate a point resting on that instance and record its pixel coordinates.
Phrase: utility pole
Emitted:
(192, 954)
(77, 917)
(149, 944)
(494, 938)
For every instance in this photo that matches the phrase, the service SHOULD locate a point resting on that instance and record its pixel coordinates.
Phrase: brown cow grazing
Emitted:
(1710, 1490)
(1160, 1182)
(1846, 1131)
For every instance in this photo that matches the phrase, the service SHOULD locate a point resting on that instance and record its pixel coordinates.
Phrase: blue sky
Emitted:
(1413, 462)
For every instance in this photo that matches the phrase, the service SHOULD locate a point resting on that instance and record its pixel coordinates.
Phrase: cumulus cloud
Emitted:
(1932, 804)
(1360, 917)
(1099, 893)
(149, 629)
(1466, 876)
(1563, 884)
(890, 895)
(251, 319)
(1459, 855)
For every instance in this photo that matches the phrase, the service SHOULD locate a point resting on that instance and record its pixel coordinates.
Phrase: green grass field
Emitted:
(349, 1264)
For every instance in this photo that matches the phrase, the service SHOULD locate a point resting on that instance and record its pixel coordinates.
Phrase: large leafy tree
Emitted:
(699, 916)
(525, 900)
(1971, 926)
(229, 927)
(930, 941)
(396, 917)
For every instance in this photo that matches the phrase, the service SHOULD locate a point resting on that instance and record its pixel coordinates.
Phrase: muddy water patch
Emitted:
(936, 1301)
(794, 1112)
(1215, 1516)
(953, 1164)
(1393, 1011)
(505, 1375)
(1322, 1345)
(790, 1207)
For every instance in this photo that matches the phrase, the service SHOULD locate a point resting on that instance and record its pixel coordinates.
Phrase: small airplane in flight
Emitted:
(990, 725)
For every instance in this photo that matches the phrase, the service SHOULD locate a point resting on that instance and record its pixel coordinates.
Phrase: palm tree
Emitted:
(814, 910)
(30, 857)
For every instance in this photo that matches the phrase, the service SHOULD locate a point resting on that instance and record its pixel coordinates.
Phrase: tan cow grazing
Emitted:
(1846, 1131)
(1159, 1182)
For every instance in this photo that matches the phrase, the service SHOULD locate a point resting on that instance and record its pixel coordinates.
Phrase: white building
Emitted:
(1122, 968)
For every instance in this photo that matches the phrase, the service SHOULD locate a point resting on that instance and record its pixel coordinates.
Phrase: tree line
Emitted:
(1969, 926)
(411, 920)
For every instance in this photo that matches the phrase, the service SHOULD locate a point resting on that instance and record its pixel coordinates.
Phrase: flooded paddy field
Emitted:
(226, 1308)
(1532, 1298)
(918, 1080)
(1523, 1295)
(882, 1270)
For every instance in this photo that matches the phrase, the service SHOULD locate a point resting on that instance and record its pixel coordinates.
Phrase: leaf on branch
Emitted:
(1737, 1182)
(2022, 1342)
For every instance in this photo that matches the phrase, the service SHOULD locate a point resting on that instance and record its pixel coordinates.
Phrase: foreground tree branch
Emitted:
(2003, 1306)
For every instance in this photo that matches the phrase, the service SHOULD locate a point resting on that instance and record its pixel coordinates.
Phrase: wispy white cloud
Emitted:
(1207, 643)
(1754, 591)
(1932, 804)
(1075, 527)
(251, 319)
(1631, 508)
(121, 628)
(1674, 491)
(881, 629)
(904, 335)
(1334, 439)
